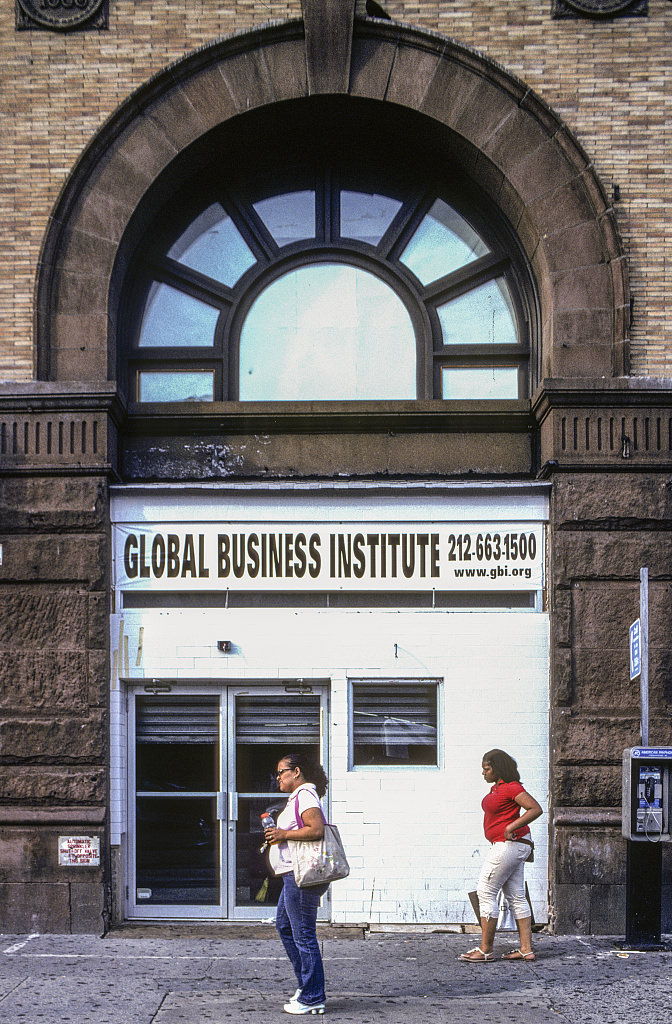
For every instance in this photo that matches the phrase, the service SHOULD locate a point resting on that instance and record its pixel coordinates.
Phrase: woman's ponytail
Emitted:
(312, 771)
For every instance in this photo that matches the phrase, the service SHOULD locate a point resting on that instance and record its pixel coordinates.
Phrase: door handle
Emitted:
(233, 806)
(221, 814)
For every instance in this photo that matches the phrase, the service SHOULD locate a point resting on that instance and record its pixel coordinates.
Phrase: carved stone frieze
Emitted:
(44, 427)
(599, 8)
(61, 15)
(616, 425)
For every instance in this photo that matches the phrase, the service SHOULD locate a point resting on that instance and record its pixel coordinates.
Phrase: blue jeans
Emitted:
(296, 921)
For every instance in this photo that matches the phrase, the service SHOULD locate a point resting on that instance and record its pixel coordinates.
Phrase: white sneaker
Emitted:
(296, 996)
(296, 1006)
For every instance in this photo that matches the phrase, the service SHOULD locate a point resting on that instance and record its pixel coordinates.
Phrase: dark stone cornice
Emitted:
(327, 417)
(601, 393)
(65, 396)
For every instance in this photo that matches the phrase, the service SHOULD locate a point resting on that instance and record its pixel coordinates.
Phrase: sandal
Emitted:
(517, 954)
(467, 958)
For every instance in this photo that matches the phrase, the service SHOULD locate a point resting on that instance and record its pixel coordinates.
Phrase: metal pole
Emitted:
(644, 675)
(643, 880)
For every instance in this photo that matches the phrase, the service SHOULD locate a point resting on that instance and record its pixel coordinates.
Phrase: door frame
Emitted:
(226, 796)
(317, 688)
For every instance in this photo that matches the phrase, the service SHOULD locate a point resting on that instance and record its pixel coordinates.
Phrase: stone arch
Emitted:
(500, 134)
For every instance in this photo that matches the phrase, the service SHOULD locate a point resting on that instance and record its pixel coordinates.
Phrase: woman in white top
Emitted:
(302, 819)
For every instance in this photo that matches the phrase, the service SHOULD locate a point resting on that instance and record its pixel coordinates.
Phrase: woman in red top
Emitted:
(508, 810)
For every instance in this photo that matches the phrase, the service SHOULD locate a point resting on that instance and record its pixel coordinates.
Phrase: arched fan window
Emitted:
(326, 289)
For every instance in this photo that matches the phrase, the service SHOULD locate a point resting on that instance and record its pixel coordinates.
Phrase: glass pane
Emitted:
(213, 245)
(394, 724)
(177, 744)
(186, 767)
(483, 316)
(176, 386)
(177, 850)
(177, 844)
(443, 243)
(256, 885)
(327, 331)
(173, 318)
(266, 728)
(465, 383)
(289, 217)
(366, 216)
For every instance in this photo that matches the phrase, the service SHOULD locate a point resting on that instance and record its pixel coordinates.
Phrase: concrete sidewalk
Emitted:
(191, 976)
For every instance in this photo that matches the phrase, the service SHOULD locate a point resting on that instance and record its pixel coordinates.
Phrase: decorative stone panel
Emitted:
(44, 429)
(62, 15)
(599, 9)
(616, 424)
(61, 440)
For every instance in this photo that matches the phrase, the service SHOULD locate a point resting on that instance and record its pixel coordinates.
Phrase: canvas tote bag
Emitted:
(317, 861)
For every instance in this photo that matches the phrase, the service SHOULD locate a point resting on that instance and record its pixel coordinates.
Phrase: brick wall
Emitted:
(611, 81)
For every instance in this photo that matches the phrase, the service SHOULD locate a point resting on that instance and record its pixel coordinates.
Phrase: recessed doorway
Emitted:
(201, 770)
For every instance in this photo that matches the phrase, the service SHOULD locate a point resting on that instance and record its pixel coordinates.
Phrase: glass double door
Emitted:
(201, 770)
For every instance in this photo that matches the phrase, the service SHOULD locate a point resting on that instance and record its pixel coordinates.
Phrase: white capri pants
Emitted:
(504, 869)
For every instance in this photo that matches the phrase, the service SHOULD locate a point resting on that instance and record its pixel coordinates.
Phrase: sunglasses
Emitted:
(278, 774)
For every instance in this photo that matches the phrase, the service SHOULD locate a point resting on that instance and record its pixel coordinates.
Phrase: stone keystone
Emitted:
(328, 26)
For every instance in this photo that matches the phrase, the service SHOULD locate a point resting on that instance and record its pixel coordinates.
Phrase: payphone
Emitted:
(646, 794)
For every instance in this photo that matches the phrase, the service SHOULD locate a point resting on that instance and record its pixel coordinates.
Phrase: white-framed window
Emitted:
(394, 723)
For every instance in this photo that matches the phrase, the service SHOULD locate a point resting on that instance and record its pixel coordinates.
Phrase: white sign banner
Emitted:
(79, 851)
(332, 556)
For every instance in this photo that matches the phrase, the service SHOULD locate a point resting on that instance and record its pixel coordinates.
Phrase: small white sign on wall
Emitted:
(78, 851)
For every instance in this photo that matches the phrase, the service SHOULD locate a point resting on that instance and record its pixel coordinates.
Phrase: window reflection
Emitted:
(289, 217)
(327, 331)
(394, 723)
(366, 216)
(483, 316)
(443, 243)
(214, 246)
(173, 319)
(471, 383)
(177, 851)
(176, 386)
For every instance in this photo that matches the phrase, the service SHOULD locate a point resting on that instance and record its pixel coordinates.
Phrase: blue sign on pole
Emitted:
(635, 650)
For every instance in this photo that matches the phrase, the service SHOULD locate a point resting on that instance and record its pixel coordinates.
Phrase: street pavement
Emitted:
(156, 975)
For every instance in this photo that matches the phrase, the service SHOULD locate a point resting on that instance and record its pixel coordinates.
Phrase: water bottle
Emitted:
(266, 822)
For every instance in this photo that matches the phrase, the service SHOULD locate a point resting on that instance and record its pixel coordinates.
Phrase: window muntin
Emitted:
(213, 245)
(327, 331)
(394, 722)
(471, 304)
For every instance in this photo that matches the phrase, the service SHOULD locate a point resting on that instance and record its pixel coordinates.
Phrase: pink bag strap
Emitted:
(299, 822)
